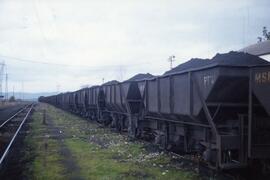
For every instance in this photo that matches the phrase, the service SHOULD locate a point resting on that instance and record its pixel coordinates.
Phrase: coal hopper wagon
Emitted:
(219, 109)
(216, 108)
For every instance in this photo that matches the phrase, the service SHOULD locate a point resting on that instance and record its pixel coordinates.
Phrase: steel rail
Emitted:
(15, 135)
(14, 115)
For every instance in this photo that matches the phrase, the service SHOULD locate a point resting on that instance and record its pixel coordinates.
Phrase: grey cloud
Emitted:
(107, 35)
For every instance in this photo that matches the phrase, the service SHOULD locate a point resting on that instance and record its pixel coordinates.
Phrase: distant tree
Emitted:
(266, 35)
(12, 99)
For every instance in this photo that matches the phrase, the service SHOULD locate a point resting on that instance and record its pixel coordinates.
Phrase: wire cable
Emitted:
(69, 65)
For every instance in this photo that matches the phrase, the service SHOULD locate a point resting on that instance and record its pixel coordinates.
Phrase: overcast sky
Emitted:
(98, 39)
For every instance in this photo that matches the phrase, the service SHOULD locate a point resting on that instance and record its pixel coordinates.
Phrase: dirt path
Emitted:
(71, 169)
(42, 154)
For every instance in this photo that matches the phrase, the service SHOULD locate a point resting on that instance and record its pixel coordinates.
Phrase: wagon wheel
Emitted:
(163, 136)
(118, 125)
(107, 121)
(164, 142)
(99, 117)
(132, 128)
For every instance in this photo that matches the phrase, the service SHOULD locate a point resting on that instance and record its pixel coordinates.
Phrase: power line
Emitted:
(42, 32)
(69, 65)
(34, 62)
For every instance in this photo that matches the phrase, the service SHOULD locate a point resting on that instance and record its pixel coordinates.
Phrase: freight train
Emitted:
(217, 108)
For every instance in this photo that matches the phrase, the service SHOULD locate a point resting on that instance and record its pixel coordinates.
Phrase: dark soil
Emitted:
(7, 112)
(13, 166)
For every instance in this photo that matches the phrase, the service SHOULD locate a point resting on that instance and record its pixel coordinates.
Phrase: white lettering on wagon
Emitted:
(262, 77)
(208, 80)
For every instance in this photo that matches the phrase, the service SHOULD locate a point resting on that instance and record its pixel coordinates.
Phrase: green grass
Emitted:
(98, 152)
(116, 158)
(100, 164)
(47, 164)
(43, 163)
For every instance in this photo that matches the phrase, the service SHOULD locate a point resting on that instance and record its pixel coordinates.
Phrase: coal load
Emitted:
(110, 83)
(141, 76)
(191, 64)
(237, 59)
(229, 59)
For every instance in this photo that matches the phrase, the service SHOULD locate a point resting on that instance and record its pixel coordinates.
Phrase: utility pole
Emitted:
(22, 97)
(171, 59)
(2, 65)
(6, 89)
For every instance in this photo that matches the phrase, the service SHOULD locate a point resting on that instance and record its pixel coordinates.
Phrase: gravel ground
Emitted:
(8, 111)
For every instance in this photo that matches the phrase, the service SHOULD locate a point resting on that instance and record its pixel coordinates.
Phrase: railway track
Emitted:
(9, 131)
